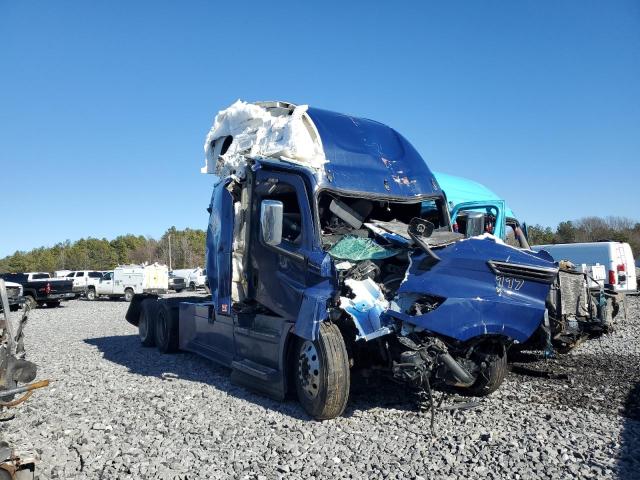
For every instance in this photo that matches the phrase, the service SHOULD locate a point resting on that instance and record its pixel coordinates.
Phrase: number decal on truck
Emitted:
(508, 283)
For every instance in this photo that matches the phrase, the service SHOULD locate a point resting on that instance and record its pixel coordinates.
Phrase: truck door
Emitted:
(280, 271)
(494, 210)
(219, 247)
(106, 284)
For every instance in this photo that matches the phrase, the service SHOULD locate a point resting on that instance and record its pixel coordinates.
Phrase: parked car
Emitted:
(176, 283)
(40, 289)
(321, 259)
(14, 295)
(128, 280)
(83, 278)
(617, 257)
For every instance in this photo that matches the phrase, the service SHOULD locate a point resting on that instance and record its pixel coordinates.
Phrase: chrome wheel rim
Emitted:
(309, 369)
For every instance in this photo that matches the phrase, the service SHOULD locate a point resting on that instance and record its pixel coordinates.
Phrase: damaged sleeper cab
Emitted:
(329, 249)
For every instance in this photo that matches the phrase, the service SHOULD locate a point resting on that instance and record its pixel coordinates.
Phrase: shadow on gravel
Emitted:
(629, 459)
(125, 350)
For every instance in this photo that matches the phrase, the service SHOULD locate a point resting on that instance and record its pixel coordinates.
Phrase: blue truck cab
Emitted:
(319, 271)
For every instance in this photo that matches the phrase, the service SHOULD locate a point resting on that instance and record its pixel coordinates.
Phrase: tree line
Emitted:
(188, 246)
(589, 229)
(187, 250)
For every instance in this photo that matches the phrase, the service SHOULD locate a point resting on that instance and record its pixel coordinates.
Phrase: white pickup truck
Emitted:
(194, 277)
(126, 281)
(82, 279)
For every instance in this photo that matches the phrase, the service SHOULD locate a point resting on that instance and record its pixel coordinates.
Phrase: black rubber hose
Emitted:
(458, 370)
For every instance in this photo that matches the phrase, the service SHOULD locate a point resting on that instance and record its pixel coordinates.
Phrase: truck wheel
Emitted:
(30, 301)
(147, 322)
(192, 286)
(53, 304)
(178, 290)
(322, 373)
(91, 294)
(166, 328)
(492, 372)
(128, 294)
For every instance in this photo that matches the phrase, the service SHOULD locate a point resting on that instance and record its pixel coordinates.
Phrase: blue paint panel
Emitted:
(474, 305)
(219, 247)
(364, 154)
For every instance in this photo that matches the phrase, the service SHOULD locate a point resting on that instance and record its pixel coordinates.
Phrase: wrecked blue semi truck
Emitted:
(321, 259)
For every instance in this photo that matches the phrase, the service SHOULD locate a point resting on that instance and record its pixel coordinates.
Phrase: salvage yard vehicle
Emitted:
(14, 295)
(321, 259)
(176, 283)
(617, 257)
(475, 210)
(194, 278)
(40, 289)
(127, 280)
(83, 278)
(579, 305)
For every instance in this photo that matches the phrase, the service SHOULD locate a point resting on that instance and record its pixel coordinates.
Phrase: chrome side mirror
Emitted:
(271, 221)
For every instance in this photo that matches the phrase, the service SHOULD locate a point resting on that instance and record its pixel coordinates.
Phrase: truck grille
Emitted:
(525, 272)
(13, 292)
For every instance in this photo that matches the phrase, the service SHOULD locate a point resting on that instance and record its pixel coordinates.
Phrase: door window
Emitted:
(292, 232)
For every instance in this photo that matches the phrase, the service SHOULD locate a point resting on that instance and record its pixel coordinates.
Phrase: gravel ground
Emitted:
(118, 410)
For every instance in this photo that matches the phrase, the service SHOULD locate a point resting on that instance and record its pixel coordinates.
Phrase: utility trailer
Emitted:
(321, 260)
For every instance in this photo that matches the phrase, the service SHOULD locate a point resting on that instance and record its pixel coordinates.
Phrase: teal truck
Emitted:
(475, 210)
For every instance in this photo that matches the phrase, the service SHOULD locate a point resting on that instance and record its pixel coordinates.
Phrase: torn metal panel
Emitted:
(365, 307)
(313, 310)
(273, 129)
(487, 303)
(16, 465)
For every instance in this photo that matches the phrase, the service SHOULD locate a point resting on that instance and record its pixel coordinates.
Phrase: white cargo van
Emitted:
(127, 280)
(615, 256)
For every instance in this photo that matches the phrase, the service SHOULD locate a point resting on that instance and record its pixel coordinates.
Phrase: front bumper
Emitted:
(155, 291)
(61, 296)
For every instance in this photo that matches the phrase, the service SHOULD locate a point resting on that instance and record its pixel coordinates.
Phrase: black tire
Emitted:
(128, 294)
(53, 304)
(147, 322)
(91, 294)
(30, 301)
(14, 308)
(323, 391)
(166, 328)
(178, 290)
(492, 372)
(192, 287)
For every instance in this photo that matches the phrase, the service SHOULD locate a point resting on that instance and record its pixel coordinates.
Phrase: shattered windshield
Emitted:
(369, 238)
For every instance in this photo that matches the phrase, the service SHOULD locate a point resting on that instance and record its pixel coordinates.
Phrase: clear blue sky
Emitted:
(104, 106)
